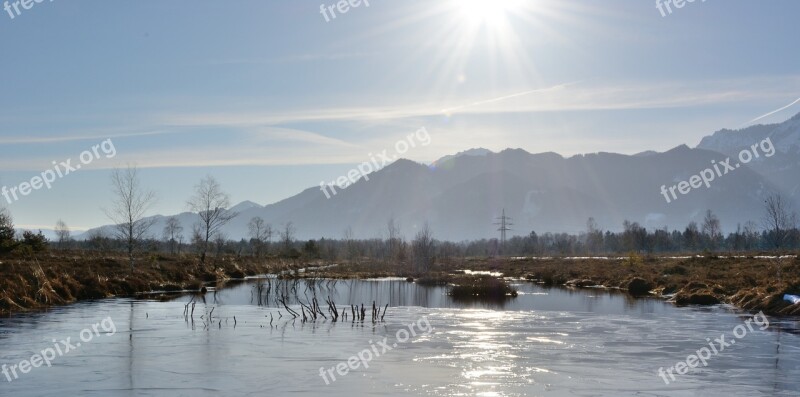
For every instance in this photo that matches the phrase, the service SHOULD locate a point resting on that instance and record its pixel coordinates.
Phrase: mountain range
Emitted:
(461, 196)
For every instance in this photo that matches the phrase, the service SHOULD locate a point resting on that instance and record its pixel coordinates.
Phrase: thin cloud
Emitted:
(294, 58)
(27, 140)
(772, 112)
(563, 97)
(249, 146)
(288, 135)
(503, 98)
(50, 227)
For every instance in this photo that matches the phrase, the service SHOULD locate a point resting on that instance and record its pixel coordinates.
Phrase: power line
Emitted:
(504, 227)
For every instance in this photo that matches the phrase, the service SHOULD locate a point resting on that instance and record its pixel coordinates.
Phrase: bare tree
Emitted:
(712, 229)
(62, 234)
(634, 236)
(777, 220)
(594, 236)
(130, 204)
(97, 240)
(287, 236)
(751, 235)
(172, 232)
(220, 240)
(423, 250)
(349, 243)
(197, 236)
(394, 242)
(180, 243)
(210, 203)
(260, 234)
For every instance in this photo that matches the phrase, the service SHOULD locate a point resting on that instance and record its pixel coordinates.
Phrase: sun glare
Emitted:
(486, 12)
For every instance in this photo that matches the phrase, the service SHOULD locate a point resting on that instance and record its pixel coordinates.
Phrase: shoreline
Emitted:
(28, 284)
(754, 283)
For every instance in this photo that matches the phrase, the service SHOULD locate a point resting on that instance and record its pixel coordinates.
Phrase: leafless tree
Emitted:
(287, 236)
(395, 240)
(594, 236)
(777, 220)
(210, 203)
(131, 202)
(197, 236)
(220, 239)
(423, 250)
(62, 234)
(751, 235)
(260, 234)
(634, 236)
(172, 232)
(97, 241)
(712, 229)
(349, 243)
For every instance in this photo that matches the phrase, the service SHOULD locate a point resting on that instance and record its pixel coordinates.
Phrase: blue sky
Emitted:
(270, 98)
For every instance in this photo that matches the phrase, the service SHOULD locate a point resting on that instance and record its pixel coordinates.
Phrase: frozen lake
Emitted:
(553, 342)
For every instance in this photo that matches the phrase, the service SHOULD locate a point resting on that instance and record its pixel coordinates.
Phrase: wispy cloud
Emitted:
(236, 146)
(574, 96)
(308, 57)
(272, 134)
(503, 98)
(261, 137)
(772, 112)
(88, 136)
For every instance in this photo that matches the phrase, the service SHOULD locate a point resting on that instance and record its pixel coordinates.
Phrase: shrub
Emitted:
(633, 259)
(485, 287)
(433, 280)
(639, 287)
(677, 269)
(7, 242)
(37, 242)
(311, 250)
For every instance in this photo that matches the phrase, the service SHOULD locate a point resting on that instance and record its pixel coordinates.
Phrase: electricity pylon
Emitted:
(504, 223)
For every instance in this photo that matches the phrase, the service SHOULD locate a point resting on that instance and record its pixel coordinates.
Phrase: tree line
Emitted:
(777, 231)
(133, 234)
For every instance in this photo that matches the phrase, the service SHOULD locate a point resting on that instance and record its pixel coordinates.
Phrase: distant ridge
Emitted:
(460, 195)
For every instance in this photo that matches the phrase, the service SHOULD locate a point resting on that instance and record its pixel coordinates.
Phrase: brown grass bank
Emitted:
(751, 283)
(28, 283)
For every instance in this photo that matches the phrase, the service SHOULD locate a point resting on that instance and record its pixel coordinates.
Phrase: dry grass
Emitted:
(481, 287)
(55, 279)
(750, 283)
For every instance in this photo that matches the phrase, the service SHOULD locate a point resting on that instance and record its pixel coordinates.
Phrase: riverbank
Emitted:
(756, 283)
(751, 283)
(29, 284)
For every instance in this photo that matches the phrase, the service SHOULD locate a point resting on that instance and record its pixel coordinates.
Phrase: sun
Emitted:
(492, 13)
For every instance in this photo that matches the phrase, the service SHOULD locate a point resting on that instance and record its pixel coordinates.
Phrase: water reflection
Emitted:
(554, 342)
(398, 292)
